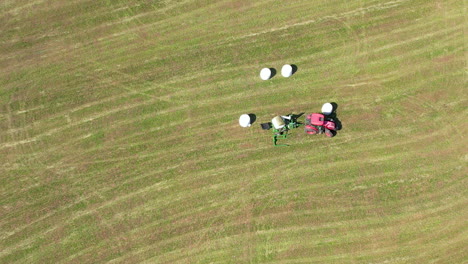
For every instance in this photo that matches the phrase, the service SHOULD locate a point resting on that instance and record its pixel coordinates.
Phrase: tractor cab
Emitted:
(316, 119)
(318, 123)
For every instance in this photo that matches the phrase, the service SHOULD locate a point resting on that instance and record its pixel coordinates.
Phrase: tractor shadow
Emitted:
(253, 118)
(335, 118)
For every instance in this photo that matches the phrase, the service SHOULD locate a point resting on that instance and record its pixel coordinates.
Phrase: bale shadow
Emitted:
(253, 118)
(335, 106)
(294, 68)
(334, 116)
(273, 72)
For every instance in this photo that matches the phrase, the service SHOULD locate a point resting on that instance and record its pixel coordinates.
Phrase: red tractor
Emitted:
(318, 124)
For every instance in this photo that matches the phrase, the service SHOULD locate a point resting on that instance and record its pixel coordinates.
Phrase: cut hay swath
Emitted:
(119, 140)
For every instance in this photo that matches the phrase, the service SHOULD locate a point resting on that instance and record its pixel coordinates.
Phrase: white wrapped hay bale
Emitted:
(265, 74)
(278, 122)
(244, 120)
(287, 70)
(327, 109)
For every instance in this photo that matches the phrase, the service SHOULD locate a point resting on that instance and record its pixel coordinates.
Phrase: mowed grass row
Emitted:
(120, 141)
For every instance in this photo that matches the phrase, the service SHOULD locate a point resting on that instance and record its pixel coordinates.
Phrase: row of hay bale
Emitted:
(287, 70)
(245, 120)
(267, 73)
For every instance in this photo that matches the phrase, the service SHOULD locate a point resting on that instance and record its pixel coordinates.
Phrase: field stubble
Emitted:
(120, 143)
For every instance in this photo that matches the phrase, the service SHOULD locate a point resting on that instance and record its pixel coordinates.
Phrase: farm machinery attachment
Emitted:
(315, 123)
(280, 126)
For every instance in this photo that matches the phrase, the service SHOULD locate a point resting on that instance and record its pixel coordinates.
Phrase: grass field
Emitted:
(120, 143)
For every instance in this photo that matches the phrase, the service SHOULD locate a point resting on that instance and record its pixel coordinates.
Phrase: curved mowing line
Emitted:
(143, 250)
(266, 145)
(122, 123)
(82, 199)
(140, 26)
(108, 203)
(174, 80)
(101, 115)
(235, 183)
(456, 185)
(257, 197)
(360, 224)
(377, 134)
(360, 10)
(356, 12)
(133, 92)
(85, 120)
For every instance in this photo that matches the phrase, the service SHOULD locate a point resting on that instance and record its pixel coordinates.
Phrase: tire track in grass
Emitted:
(354, 13)
(80, 122)
(152, 130)
(142, 26)
(136, 92)
(142, 15)
(169, 21)
(442, 32)
(13, 135)
(317, 185)
(115, 125)
(122, 123)
(123, 197)
(32, 237)
(71, 37)
(401, 30)
(359, 225)
(364, 226)
(234, 184)
(94, 117)
(116, 160)
(106, 204)
(79, 201)
(174, 80)
(88, 105)
(16, 10)
(257, 197)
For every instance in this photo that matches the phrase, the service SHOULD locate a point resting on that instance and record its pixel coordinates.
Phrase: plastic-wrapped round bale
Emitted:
(287, 70)
(265, 74)
(278, 122)
(327, 109)
(244, 120)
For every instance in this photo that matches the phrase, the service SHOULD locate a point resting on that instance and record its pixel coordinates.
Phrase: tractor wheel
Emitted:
(311, 130)
(330, 133)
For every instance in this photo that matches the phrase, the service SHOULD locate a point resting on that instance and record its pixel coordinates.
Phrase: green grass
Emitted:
(119, 139)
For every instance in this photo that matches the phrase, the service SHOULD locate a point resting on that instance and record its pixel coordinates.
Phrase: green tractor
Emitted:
(280, 126)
